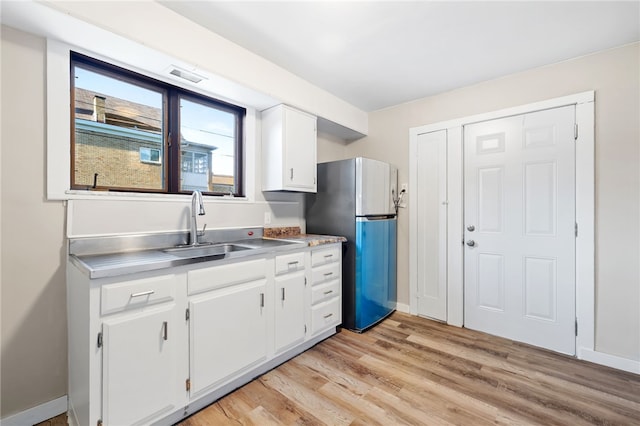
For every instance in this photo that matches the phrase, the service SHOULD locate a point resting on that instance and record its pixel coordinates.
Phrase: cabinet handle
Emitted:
(282, 293)
(143, 293)
(328, 274)
(262, 300)
(291, 173)
(328, 292)
(328, 316)
(165, 332)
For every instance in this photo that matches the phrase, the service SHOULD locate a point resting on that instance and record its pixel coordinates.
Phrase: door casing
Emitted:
(585, 208)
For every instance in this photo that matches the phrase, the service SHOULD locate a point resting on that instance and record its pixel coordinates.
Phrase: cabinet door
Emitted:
(228, 332)
(289, 307)
(140, 374)
(300, 150)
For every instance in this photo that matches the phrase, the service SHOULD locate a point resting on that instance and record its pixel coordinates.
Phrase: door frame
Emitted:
(585, 211)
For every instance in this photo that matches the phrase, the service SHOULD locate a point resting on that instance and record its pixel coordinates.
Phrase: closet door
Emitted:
(432, 225)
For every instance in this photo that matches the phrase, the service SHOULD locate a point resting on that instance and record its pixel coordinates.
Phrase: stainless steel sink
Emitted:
(206, 250)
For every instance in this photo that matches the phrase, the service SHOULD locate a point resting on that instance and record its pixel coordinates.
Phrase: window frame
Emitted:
(150, 161)
(170, 160)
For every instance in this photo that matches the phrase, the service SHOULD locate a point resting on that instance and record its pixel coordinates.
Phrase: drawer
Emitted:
(225, 275)
(321, 274)
(326, 291)
(289, 263)
(134, 294)
(326, 315)
(320, 257)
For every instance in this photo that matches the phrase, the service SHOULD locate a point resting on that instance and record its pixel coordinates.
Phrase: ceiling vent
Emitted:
(194, 78)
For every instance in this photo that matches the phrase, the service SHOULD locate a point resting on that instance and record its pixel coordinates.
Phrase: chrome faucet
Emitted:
(196, 203)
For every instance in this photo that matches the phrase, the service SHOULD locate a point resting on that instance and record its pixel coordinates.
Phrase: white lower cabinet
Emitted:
(326, 288)
(152, 347)
(289, 301)
(139, 379)
(227, 333)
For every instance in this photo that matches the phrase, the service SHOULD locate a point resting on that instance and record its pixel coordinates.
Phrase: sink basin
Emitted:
(206, 250)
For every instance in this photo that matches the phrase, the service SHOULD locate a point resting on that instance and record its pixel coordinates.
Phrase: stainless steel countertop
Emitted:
(129, 262)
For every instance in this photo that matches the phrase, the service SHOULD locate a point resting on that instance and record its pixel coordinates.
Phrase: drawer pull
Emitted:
(328, 316)
(165, 330)
(143, 293)
(328, 274)
(327, 256)
(294, 263)
(328, 292)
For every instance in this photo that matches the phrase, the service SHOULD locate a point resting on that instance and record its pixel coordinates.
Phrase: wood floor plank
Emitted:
(409, 370)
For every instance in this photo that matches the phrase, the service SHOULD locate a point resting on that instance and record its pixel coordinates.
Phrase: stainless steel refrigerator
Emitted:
(355, 199)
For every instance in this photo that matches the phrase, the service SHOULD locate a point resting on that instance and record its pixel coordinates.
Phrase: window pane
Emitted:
(118, 133)
(208, 148)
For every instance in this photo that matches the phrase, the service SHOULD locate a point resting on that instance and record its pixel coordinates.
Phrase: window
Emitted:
(134, 133)
(150, 155)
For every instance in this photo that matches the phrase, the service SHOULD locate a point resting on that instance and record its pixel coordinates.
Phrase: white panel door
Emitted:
(432, 225)
(520, 228)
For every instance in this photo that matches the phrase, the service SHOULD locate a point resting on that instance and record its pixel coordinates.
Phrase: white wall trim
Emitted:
(609, 360)
(403, 307)
(38, 413)
(455, 231)
(578, 98)
(585, 218)
(585, 208)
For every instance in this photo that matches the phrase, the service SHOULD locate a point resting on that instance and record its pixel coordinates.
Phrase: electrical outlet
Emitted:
(404, 189)
(267, 218)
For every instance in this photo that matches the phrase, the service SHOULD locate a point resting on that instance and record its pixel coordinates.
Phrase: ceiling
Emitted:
(378, 54)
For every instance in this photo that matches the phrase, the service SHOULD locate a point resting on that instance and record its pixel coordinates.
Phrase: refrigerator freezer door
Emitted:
(375, 292)
(376, 183)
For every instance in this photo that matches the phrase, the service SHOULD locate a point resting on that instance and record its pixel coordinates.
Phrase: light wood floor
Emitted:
(409, 370)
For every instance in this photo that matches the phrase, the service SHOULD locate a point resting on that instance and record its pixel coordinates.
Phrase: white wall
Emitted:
(330, 148)
(116, 30)
(614, 75)
(33, 312)
(34, 337)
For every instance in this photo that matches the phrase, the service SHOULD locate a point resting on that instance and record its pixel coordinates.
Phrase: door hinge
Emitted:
(575, 131)
(100, 339)
(576, 327)
(188, 384)
(187, 315)
(576, 229)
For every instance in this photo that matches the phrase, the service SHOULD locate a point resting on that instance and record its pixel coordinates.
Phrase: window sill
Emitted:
(128, 196)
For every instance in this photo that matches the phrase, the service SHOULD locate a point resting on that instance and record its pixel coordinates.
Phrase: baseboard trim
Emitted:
(402, 307)
(608, 360)
(37, 414)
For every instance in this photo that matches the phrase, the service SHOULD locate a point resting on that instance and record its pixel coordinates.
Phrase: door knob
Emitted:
(471, 228)
(471, 243)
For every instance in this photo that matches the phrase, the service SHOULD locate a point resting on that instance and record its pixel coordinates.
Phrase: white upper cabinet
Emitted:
(289, 139)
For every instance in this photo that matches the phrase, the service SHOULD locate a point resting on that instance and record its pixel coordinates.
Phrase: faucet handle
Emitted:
(201, 233)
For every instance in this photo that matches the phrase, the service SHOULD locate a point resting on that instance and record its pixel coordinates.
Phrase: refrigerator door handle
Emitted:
(376, 217)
